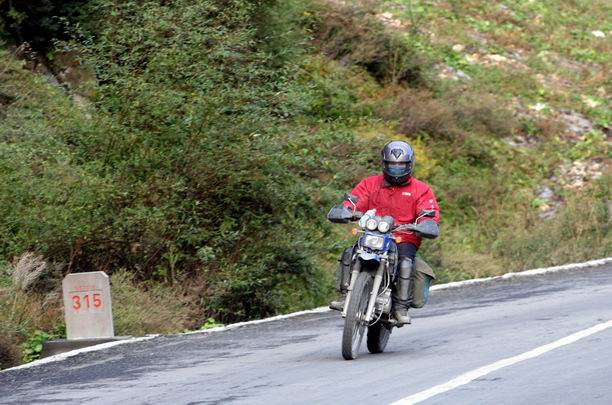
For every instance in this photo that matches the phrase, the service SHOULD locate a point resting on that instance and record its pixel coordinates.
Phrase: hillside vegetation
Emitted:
(191, 148)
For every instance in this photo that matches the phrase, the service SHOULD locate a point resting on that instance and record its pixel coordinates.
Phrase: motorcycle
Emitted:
(368, 301)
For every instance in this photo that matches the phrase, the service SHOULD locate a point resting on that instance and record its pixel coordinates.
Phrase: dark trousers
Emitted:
(406, 249)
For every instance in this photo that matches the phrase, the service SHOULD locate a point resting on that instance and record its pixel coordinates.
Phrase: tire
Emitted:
(378, 336)
(354, 326)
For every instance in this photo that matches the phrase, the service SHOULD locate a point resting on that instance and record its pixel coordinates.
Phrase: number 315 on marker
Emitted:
(86, 301)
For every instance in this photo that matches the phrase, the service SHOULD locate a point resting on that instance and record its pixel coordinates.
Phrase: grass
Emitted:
(487, 188)
(145, 308)
(199, 176)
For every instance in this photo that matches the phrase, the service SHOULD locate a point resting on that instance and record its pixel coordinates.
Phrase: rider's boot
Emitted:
(401, 294)
(338, 305)
(401, 316)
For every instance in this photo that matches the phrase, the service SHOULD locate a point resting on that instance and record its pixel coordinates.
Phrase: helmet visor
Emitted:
(396, 168)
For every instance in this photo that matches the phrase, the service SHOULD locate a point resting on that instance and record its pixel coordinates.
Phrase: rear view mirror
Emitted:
(352, 198)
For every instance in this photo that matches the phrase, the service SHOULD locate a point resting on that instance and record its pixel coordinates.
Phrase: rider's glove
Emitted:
(426, 229)
(340, 214)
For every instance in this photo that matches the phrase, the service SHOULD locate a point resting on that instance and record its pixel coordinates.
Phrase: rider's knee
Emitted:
(405, 267)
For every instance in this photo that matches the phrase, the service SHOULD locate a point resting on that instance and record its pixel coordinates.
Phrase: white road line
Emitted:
(256, 321)
(479, 372)
(566, 267)
(526, 273)
(95, 348)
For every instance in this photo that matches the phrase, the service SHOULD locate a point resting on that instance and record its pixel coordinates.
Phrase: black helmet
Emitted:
(397, 162)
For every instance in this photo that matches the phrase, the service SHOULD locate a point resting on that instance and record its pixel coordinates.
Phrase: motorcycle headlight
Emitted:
(372, 224)
(374, 241)
(384, 226)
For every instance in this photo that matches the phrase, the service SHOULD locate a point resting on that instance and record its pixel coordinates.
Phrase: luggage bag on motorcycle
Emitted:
(421, 282)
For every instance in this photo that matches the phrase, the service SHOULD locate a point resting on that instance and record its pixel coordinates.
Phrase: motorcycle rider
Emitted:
(402, 196)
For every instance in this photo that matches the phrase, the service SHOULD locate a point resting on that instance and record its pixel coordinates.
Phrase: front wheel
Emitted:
(354, 323)
(378, 336)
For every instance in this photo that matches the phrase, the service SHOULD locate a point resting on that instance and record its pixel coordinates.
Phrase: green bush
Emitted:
(182, 152)
(38, 21)
(352, 34)
(32, 348)
(217, 135)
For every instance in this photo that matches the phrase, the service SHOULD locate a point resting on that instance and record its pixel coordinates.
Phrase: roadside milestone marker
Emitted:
(87, 306)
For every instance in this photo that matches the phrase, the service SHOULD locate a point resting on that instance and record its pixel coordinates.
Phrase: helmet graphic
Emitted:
(397, 162)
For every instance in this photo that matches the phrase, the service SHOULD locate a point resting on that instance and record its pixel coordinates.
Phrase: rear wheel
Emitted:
(378, 336)
(354, 323)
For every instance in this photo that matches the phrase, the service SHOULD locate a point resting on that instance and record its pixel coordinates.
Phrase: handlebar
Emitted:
(404, 227)
(426, 229)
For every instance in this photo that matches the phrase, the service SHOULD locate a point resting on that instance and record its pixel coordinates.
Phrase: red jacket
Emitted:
(403, 203)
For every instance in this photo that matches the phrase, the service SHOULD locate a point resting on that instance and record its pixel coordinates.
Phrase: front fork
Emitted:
(373, 292)
(354, 274)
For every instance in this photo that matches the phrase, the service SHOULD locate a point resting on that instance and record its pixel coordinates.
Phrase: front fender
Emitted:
(369, 256)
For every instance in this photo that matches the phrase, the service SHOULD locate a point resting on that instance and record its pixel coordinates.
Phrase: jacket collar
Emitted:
(386, 184)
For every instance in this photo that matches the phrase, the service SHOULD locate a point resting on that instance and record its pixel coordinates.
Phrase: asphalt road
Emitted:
(298, 360)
